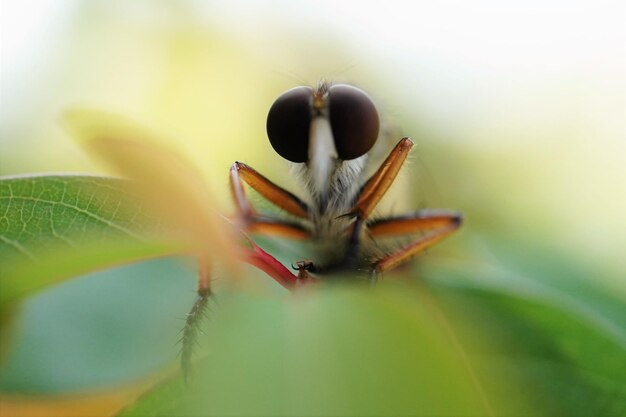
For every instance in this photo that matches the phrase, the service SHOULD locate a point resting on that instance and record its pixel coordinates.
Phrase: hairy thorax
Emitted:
(330, 216)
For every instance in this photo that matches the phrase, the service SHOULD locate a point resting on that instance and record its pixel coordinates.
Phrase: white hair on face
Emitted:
(341, 196)
(322, 155)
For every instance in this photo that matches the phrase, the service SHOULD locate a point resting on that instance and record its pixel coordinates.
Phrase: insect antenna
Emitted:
(292, 76)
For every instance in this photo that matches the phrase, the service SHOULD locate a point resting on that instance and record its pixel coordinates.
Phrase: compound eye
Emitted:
(288, 123)
(353, 119)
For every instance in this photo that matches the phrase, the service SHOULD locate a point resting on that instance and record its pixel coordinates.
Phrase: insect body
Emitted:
(326, 133)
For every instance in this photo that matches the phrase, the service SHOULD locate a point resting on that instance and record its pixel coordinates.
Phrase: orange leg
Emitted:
(452, 222)
(273, 193)
(416, 222)
(253, 222)
(374, 190)
(276, 227)
(376, 187)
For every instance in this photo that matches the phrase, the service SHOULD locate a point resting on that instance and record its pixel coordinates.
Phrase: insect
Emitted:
(327, 134)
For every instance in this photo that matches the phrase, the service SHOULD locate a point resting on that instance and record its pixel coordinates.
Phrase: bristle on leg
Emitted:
(193, 320)
(191, 331)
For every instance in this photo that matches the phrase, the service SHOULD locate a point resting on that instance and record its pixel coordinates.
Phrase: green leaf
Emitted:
(165, 399)
(567, 365)
(56, 227)
(332, 351)
(106, 329)
(543, 323)
(50, 211)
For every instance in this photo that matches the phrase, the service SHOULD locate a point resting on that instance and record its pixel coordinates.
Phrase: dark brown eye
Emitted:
(288, 123)
(353, 119)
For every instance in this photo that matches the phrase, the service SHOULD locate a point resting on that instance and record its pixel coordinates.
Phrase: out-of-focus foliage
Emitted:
(487, 342)
(57, 227)
(336, 351)
(522, 311)
(564, 351)
(101, 332)
(170, 187)
(524, 357)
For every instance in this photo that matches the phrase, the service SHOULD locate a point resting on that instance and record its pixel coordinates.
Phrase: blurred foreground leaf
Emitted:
(333, 351)
(85, 405)
(540, 324)
(57, 227)
(101, 331)
(167, 183)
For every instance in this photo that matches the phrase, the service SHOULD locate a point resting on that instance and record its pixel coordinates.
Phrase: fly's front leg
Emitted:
(372, 192)
(250, 220)
(439, 225)
(378, 184)
(416, 222)
(257, 257)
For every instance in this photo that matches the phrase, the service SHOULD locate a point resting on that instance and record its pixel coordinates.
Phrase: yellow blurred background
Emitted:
(517, 109)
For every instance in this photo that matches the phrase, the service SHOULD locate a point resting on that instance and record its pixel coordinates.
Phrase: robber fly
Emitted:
(326, 133)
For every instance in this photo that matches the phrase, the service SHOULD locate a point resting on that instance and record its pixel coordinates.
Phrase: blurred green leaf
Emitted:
(57, 227)
(332, 351)
(166, 399)
(565, 364)
(166, 182)
(524, 332)
(541, 324)
(102, 331)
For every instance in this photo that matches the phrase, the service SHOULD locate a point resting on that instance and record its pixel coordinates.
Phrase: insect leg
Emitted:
(252, 221)
(277, 227)
(262, 260)
(404, 254)
(194, 317)
(373, 191)
(273, 193)
(378, 184)
(419, 221)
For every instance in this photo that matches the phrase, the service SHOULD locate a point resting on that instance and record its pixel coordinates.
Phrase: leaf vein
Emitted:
(82, 211)
(17, 246)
